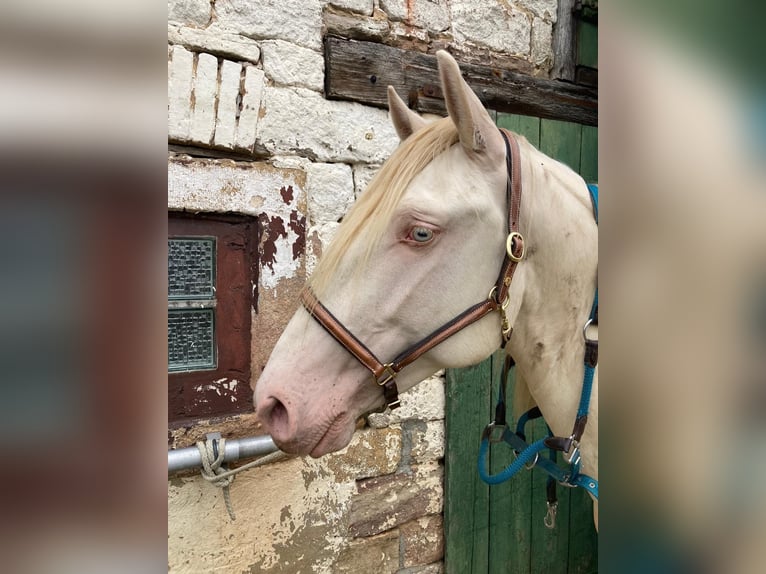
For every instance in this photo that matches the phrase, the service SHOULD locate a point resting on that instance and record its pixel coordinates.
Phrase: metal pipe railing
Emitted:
(234, 449)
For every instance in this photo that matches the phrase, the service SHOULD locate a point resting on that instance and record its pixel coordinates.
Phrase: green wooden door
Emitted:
(500, 529)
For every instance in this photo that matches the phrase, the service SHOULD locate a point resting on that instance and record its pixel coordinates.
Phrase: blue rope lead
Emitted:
(525, 457)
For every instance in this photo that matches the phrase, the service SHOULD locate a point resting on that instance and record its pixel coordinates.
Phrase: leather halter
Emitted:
(384, 374)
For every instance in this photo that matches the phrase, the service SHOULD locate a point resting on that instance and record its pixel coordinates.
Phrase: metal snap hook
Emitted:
(550, 516)
(585, 330)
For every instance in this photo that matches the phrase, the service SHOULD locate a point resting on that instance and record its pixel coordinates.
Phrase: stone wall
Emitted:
(250, 133)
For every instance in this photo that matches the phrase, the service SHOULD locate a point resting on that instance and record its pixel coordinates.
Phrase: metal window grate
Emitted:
(191, 268)
(191, 339)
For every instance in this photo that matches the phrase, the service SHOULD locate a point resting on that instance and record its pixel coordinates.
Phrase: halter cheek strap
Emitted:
(384, 374)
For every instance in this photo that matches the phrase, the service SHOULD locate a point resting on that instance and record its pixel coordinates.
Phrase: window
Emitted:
(211, 282)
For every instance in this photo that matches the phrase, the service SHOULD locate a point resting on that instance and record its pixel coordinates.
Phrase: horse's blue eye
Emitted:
(422, 234)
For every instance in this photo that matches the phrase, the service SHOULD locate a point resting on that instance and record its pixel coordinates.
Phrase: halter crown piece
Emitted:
(384, 374)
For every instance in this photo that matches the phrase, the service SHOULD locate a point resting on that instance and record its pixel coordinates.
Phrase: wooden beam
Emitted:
(564, 44)
(360, 71)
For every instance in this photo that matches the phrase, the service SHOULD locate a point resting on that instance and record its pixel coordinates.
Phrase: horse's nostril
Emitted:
(278, 415)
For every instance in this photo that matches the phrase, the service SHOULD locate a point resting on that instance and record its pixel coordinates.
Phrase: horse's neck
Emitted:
(558, 283)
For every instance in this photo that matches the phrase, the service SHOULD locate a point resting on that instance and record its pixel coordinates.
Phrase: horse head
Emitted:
(423, 242)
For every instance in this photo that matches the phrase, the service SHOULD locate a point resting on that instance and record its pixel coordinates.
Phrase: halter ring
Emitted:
(509, 246)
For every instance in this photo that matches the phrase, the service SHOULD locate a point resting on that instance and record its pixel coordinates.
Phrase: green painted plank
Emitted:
(510, 542)
(550, 548)
(583, 539)
(561, 141)
(466, 510)
(589, 154)
(587, 44)
(526, 126)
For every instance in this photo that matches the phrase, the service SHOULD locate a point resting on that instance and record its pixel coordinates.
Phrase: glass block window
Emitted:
(191, 303)
(191, 268)
(212, 274)
(191, 339)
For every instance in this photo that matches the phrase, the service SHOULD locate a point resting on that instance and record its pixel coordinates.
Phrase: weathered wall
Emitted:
(250, 132)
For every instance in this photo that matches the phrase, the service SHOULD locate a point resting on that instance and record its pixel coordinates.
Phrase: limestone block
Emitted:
(370, 453)
(378, 554)
(330, 190)
(546, 9)
(196, 12)
(297, 21)
(541, 50)
(426, 441)
(228, 108)
(205, 87)
(301, 122)
(424, 401)
(215, 41)
(290, 65)
(363, 174)
(359, 6)
(370, 29)
(319, 238)
(493, 25)
(435, 568)
(433, 15)
(402, 30)
(179, 93)
(251, 105)
(407, 496)
(422, 540)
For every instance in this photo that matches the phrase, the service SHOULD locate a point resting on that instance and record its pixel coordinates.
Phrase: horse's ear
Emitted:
(406, 122)
(478, 132)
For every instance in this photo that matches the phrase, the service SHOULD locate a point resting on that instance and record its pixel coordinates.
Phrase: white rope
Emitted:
(214, 471)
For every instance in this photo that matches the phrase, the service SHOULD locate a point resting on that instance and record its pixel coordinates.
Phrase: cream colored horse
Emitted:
(424, 242)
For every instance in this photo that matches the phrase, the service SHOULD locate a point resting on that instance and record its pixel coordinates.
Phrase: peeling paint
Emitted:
(298, 226)
(287, 193)
(276, 195)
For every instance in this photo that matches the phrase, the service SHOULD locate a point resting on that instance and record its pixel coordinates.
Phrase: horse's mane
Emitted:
(371, 214)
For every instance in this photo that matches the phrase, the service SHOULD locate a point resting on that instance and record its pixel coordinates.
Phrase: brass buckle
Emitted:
(509, 246)
(387, 375)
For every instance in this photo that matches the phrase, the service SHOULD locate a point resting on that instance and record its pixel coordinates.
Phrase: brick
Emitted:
(251, 105)
(298, 20)
(179, 93)
(215, 40)
(378, 554)
(205, 87)
(297, 121)
(491, 25)
(330, 190)
(290, 65)
(228, 94)
(422, 541)
(407, 497)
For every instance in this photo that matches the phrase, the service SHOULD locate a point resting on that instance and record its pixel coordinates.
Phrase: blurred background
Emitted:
(83, 217)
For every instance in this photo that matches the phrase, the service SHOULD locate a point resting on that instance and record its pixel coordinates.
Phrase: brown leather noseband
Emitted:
(384, 374)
